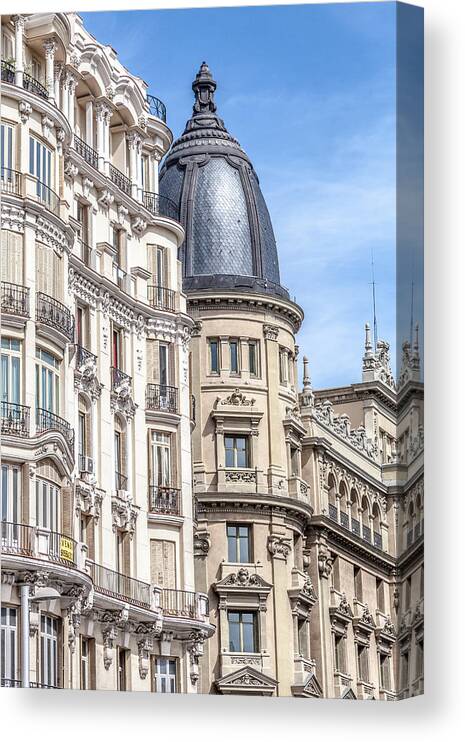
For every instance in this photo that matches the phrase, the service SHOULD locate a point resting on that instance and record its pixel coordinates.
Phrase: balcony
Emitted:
(11, 181)
(179, 603)
(120, 180)
(156, 107)
(116, 585)
(121, 481)
(15, 419)
(85, 359)
(52, 313)
(160, 297)
(15, 299)
(22, 540)
(48, 421)
(34, 86)
(120, 380)
(161, 397)
(17, 539)
(354, 526)
(85, 151)
(160, 205)
(47, 197)
(8, 72)
(164, 500)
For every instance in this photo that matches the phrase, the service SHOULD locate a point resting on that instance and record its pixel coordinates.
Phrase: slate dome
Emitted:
(229, 241)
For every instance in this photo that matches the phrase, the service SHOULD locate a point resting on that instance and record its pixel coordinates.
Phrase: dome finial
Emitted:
(204, 87)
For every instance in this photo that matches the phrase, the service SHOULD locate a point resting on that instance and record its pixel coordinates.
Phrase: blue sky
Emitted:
(309, 91)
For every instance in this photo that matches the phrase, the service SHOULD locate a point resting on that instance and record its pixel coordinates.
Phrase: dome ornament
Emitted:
(204, 87)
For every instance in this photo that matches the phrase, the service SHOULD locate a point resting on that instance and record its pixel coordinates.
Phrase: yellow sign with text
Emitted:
(66, 549)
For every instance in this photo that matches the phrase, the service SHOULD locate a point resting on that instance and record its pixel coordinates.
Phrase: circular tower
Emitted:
(252, 504)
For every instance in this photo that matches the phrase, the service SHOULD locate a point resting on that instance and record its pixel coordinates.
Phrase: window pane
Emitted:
(234, 634)
(241, 445)
(214, 366)
(248, 633)
(244, 555)
(234, 357)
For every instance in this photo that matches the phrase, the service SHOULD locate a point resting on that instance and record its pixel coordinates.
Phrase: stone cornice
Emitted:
(286, 310)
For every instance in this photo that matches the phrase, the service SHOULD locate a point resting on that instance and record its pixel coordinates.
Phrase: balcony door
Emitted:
(161, 459)
(10, 506)
(6, 152)
(9, 645)
(49, 651)
(117, 348)
(40, 165)
(11, 373)
(47, 382)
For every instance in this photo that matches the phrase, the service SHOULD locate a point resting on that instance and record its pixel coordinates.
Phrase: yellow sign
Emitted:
(66, 549)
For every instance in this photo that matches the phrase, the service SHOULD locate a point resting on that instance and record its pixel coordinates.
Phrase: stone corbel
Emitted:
(105, 198)
(144, 646)
(195, 649)
(279, 546)
(202, 543)
(109, 634)
(60, 136)
(47, 125)
(25, 110)
(70, 169)
(139, 225)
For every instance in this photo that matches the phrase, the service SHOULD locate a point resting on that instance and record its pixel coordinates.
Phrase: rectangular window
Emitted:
(163, 364)
(358, 587)
(340, 653)
(404, 670)
(161, 460)
(6, 152)
(165, 680)
(47, 504)
(82, 435)
(117, 349)
(242, 631)
(239, 543)
(49, 651)
(47, 381)
(87, 663)
(234, 356)
(122, 658)
(362, 663)
(214, 356)
(419, 659)
(283, 366)
(236, 452)
(9, 644)
(40, 165)
(10, 495)
(253, 358)
(385, 671)
(380, 594)
(11, 371)
(408, 592)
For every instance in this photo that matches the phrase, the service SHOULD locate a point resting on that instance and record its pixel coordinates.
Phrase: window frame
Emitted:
(234, 343)
(167, 677)
(234, 541)
(9, 642)
(240, 623)
(234, 449)
(214, 368)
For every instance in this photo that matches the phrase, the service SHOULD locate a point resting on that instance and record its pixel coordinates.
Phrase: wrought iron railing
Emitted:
(161, 298)
(355, 526)
(358, 529)
(377, 540)
(46, 420)
(11, 181)
(17, 538)
(181, 603)
(84, 357)
(116, 585)
(121, 481)
(366, 533)
(85, 151)
(47, 197)
(57, 547)
(44, 685)
(15, 299)
(156, 107)
(332, 512)
(8, 72)
(120, 180)
(161, 397)
(53, 313)
(161, 205)
(344, 520)
(34, 86)
(10, 683)
(165, 500)
(15, 419)
(119, 379)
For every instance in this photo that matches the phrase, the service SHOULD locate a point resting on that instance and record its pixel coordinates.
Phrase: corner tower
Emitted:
(252, 504)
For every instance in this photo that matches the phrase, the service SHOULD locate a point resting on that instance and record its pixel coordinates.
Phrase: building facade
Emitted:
(177, 513)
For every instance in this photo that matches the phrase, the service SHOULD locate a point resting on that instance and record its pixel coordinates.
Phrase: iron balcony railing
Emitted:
(10, 683)
(120, 180)
(377, 540)
(119, 379)
(156, 107)
(181, 603)
(161, 298)
(356, 526)
(160, 205)
(8, 72)
(344, 520)
(11, 181)
(46, 420)
(47, 197)
(84, 357)
(15, 419)
(333, 512)
(117, 585)
(57, 547)
(85, 151)
(358, 529)
(121, 481)
(161, 397)
(53, 313)
(164, 500)
(17, 538)
(15, 299)
(34, 86)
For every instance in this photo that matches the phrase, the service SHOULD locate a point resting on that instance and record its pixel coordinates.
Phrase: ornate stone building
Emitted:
(177, 514)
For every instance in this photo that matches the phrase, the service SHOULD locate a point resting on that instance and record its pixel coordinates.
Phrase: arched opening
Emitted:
(366, 530)
(332, 507)
(354, 517)
(344, 515)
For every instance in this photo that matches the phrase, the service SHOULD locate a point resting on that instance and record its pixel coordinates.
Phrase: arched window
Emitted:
(344, 516)
(366, 530)
(354, 517)
(332, 497)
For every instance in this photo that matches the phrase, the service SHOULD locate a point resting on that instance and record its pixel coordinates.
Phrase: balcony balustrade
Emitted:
(120, 180)
(34, 86)
(11, 181)
(180, 603)
(344, 520)
(377, 540)
(47, 197)
(161, 298)
(40, 543)
(119, 379)
(15, 419)
(116, 585)
(53, 313)
(85, 151)
(354, 525)
(366, 533)
(84, 357)
(161, 397)
(164, 500)
(156, 107)
(333, 512)
(17, 538)
(15, 299)
(8, 72)
(161, 205)
(10, 683)
(46, 420)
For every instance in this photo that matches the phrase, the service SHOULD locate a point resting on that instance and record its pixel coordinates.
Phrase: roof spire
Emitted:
(204, 87)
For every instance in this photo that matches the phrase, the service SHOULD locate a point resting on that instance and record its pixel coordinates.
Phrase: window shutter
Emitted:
(67, 510)
(163, 563)
(153, 369)
(12, 257)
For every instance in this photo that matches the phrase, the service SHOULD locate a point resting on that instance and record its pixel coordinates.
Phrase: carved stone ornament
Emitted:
(195, 650)
(105, 198)
(270, 332)
(124, 512)
(202, 543)
(109, 634)
(144, 647)
(25, 111)
(243, 578)
(70, 169)
(279, 546)
(139, 225)
(237, 399)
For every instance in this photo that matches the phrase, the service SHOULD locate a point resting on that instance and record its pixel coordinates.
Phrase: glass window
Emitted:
(49, 651)
(340, 652)
(234, 356)
(362, 663)
(11, 370)
(87, 654)
(117, 348)
(40, 165)
(283, 366)
(122, 668)
(385, 671)
(6, 151)
(242, 631)
(47, 502)
(163, 364)
(47, 381)
(214, 356)
(165, 675)
(9, 644)
(10, 493)
(239, 543)
(253, 358)
(161, 459)
(236, 451)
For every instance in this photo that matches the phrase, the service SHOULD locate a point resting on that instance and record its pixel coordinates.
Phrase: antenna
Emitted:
(373, 291)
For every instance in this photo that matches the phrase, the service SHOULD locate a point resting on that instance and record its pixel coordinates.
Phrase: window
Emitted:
(47, 381)
(362, 663)
(419, 659)
(385, 671)
(165, 675)
(214, 356)
(11, 370)
(120, 478)
(163, 364)
(295, 461)
(358, 588)
(82, 436)
(340, 652)
(236, 452)
(9, 643)
(234, 356)
(47, 504)
(380, 594)
(161, 459)
(116, 240)
(117, 348)
(122, 658)
(408, 592)
(302, 637)
(6, 151)
(163, 565)
(239, 543)
(335, 572)
(10, 494)
(253, 358)
(283, 366)
(40, 165)
(49, 651)
(404, 670)
(87, 661)
(242, 631)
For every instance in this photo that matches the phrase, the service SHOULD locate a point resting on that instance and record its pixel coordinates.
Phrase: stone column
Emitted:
(90, 123)
(71, 87)
(57, 73)
(18, 21)
(102, 113)
(155, 160)
(134, 145)
(49, 49)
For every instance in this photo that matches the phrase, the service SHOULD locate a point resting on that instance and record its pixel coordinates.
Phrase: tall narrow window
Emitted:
(283, 366)
(122, 659)
(9, 644)
(164, 675)
(163, 364)
(404, 670)
(239, 543)
(47, 504)
(6, 152)
(234, 356)
(10, 494)
(243, 631)
(362, 663)
(117, 349)
(408, 592)
(358, 586)
(385, 671)
(236, 451)
(87, 662)
(49, 651)
(214, 356)
(47, 381)
(40, 165)
(340, 652)
(380, 594)
(11, 371)
(253, 358)
(161, 459)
